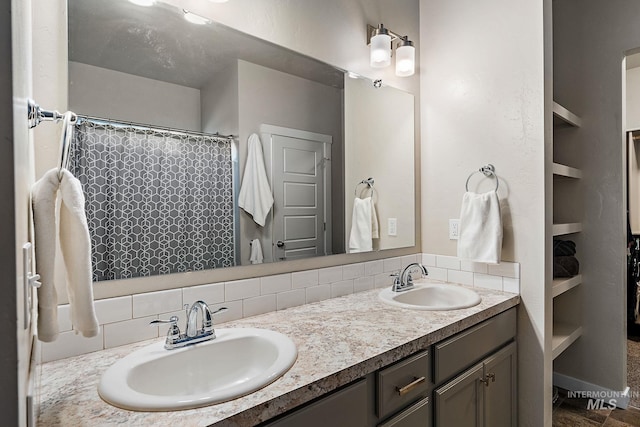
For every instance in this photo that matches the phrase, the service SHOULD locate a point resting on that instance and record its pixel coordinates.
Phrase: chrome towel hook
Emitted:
(487, 170)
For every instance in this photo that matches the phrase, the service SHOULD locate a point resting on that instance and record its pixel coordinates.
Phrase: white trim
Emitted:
(574, 384)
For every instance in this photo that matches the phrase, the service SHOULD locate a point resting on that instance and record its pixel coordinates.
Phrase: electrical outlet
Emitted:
(454, 229)
(392, 226)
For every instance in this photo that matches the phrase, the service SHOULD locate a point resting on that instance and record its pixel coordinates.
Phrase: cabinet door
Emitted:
(417, 415)
(459, 402)
(500, 391)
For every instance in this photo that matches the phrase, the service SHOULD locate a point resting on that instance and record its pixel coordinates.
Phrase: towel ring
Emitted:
(369, 182)
(487, 170)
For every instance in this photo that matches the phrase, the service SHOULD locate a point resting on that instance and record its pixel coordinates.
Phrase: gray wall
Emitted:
(591, 40)
(97, 92)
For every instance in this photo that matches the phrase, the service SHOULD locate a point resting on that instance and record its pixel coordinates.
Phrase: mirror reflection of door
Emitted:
(300, 175)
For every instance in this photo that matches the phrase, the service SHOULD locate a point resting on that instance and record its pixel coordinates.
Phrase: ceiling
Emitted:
(158, 43)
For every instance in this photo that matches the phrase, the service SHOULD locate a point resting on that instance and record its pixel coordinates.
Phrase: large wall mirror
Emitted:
(170, 112)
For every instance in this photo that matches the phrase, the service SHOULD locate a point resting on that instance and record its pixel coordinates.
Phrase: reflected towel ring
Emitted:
(369, 182)
(488, 171)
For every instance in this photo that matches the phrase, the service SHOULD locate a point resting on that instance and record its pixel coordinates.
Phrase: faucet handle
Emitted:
(173, 334)
(173, 320)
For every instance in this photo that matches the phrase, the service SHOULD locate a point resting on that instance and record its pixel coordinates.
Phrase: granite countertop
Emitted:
(339, 340)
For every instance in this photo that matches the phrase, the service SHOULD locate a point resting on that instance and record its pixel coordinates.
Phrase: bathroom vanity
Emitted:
(360, 362)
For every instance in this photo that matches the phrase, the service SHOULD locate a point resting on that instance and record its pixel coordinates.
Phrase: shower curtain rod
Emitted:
(143, 127)
(37, 115)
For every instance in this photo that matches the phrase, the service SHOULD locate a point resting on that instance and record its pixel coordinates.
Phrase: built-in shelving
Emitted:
(560, 286)
(564, 117)
(566, 171)
(568, 228)
(564, 335)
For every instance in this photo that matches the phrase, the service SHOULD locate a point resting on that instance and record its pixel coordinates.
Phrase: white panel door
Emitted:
(298, 168)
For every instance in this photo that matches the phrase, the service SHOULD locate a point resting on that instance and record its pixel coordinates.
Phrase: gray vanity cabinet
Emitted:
(474, 372)
(483, 389)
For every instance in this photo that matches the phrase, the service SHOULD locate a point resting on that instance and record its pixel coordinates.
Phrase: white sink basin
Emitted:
(432, 296)
(239, 361)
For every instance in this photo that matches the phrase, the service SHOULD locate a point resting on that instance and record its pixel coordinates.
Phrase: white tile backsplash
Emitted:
(240, 289)
(391, 265)
(129, 331)
(437, 273)
(474, 267)
(291, 298)
(125, 319)
(210, 294)
(112, 310)
(304, 279)
(341, 288)
(351, 271)
(461, 277)
(64, 318)
(330, 274)
(318, 293)
(152, 303)
(429, 260)
(487, 281)
(71, 344)
(511, 285)
(365, 283)
(259, 305)
(372, 268)
(275, 284)
(448, 262)
(505, 269)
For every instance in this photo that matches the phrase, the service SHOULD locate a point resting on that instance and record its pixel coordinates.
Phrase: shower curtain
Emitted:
(157, 201)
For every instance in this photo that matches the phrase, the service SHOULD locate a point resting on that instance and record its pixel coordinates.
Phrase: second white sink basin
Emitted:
(239, 361)
(432, 296)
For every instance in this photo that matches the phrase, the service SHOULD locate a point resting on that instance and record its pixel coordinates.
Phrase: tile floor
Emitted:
(574, 412)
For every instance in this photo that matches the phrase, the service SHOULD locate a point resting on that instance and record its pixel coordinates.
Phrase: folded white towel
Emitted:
(255, 193)
(75, 246)
(360, 238)
(480, 232)
(256, 252)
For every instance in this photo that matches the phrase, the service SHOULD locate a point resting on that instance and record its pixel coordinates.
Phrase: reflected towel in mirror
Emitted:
(255, 193)
(256, 252)
(361, 237)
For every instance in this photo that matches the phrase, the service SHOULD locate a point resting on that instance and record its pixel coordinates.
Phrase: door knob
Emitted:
(280, 244)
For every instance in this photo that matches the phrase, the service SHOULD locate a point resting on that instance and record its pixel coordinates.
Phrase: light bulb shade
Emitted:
(405, 60)
(380, 54)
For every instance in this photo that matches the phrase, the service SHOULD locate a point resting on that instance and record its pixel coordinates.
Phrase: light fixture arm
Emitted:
(372, 31)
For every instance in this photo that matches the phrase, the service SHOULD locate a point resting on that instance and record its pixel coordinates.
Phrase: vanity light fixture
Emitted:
(143, 2)
(195, 19)
(381, 41)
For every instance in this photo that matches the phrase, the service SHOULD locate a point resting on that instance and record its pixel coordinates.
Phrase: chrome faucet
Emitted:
(192, 334)
(403, 281)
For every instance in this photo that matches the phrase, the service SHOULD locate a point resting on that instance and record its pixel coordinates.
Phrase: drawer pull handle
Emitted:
(413, 384)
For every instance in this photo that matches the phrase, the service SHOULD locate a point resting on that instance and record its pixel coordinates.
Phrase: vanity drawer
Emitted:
(417, 415)
(347, 407)
(403, 383)
(457, 353)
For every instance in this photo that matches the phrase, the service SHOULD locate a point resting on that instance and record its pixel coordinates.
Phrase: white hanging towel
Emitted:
(480, 229)
(360, 239)
(255, 193)
(70, 224)
(375, 233)
(256, 252)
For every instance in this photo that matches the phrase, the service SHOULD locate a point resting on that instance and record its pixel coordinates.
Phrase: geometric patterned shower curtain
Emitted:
(157, 201)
